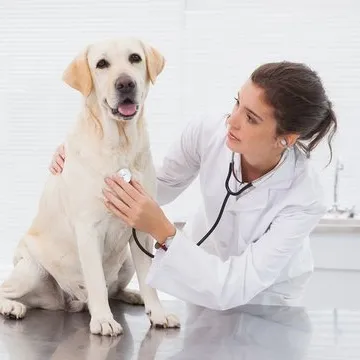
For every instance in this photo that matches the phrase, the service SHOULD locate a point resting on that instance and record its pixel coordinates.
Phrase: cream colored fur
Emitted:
(76, 254)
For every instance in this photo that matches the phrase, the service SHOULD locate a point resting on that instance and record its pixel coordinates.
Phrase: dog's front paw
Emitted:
(12, 309)
(159, 319)
(105, 326)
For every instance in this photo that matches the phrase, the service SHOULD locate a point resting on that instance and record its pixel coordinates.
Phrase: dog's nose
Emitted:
(125, 84)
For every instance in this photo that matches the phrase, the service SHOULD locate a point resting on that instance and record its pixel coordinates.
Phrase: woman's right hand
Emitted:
(57, 163)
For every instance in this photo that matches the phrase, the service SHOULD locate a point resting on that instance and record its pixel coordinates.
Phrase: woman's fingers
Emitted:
(55, 168)
(138, 187)
(61, 151)
(116, 211)
(126, 187)
(58, 160)
(118, 203)
(120, 192)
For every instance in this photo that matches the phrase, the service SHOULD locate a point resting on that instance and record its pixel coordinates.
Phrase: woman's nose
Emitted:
(233, 122)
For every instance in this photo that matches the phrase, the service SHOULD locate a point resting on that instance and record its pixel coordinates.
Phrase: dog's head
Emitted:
(118, 72)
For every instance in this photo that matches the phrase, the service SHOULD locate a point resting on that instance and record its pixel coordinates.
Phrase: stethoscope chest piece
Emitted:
(125, 174)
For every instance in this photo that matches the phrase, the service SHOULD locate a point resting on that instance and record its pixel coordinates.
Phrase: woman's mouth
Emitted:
(232, 137)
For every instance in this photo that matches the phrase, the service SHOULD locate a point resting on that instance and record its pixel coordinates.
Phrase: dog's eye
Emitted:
(102, 64)
(134, 58)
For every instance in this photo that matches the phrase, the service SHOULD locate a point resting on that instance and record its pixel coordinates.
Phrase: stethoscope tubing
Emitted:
(229, 193)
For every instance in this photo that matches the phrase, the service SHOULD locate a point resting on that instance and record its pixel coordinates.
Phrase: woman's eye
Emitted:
(251, 120)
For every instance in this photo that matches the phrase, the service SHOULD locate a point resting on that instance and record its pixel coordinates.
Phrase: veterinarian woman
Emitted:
(259, 251)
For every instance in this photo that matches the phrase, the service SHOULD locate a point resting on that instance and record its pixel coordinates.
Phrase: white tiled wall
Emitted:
(211, 47)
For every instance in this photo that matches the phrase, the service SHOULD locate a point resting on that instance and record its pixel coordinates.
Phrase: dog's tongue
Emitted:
(127, 109)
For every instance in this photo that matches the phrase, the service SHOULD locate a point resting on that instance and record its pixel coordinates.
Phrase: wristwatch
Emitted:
(167, 242)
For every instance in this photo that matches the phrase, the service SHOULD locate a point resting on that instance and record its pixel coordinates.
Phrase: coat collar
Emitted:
(280, 178)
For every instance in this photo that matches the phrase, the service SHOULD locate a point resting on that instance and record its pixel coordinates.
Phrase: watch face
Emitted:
(159, 246)
(125, 174)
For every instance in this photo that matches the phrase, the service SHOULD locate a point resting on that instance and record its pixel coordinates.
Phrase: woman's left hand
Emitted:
(131, 203)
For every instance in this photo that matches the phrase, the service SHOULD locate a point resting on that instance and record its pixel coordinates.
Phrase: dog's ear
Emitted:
(78, 75)
(155, 62)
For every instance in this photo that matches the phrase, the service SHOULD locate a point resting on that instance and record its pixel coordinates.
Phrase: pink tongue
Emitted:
(127, 109)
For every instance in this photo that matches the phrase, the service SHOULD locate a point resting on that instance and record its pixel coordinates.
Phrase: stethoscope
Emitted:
(126, 175)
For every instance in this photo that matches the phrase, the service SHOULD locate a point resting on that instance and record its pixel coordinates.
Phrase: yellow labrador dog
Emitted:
(76, 254)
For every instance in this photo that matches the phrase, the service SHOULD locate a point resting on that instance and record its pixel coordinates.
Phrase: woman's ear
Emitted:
(291, 139)
(288, 140)
(284, 142)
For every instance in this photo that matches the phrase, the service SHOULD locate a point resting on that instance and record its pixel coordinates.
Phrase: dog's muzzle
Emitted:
(125, 85)
(126, 89)
(126, 109)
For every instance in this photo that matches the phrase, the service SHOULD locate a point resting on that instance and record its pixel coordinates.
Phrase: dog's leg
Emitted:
(14, 287)
(91, 246)
(142, 263)
(118, 290)
(32, 286)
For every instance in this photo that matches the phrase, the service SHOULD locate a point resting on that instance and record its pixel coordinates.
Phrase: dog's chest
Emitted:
(87, 177)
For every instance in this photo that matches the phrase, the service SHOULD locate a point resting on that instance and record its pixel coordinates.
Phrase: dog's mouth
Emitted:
(126, 109)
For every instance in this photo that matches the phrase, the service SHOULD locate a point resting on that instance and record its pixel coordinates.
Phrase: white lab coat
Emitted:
(243, 261)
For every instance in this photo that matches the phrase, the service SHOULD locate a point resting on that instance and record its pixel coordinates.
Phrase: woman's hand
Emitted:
(57, 163)
(131, 203)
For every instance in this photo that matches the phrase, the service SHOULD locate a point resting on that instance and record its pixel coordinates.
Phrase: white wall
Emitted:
(211, 48)
(226, 40)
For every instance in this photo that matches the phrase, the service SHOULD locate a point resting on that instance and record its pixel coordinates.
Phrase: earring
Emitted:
(283, 142)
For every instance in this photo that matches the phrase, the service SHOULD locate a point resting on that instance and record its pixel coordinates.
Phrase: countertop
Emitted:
(248, 332)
